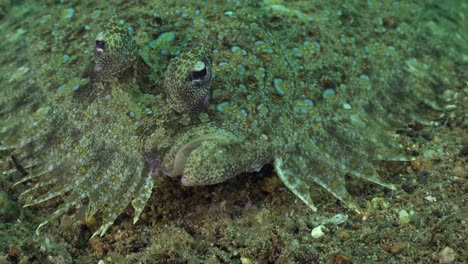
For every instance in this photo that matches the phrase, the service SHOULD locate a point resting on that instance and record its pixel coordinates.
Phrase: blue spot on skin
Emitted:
(166, 36)
(309, 102)
(244, 112)
(66, 58)
(241, 69)
(235, 48)
(317, 46)
(61, 87)
(259, 107)
(327, 93)
(297, 52)
(148, 111)
(163, 40)
(220, 107)
(69, 12)
(96, 13)
(279, 90)
(258, 43)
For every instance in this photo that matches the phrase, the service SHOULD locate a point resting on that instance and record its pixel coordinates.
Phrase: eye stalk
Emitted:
(115, 51)
(187, 82)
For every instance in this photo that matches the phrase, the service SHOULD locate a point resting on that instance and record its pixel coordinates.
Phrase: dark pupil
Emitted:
(198, 75)
(100, 44)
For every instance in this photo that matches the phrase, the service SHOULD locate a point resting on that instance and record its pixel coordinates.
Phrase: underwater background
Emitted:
(283, 73)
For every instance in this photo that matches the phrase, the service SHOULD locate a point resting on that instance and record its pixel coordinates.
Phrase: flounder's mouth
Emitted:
(186, 156)
(183, 156)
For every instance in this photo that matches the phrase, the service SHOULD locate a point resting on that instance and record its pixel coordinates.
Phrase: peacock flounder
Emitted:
(265, 83)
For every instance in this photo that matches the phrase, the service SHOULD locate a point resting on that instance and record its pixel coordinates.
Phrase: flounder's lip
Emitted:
(183, 155)
(184, 182)
(184, 152)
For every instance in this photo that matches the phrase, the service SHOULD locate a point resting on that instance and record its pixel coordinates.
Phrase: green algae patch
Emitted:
(68, 13)
(163, 40)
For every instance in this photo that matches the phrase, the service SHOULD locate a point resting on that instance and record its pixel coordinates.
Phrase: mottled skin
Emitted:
(264, 84)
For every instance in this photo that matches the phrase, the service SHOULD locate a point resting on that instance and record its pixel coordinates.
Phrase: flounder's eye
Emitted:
(99, 47)
(199, 73)
(188, 82)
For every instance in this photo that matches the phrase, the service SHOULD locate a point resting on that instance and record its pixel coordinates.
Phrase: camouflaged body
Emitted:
(291, 84)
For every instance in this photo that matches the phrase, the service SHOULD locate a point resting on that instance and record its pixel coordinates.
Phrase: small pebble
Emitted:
(398, 247)
(430, 198)
(317, 232)
(343, 235)
(446, 255)
(245, 260)
(403, 217)
(449, 96)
